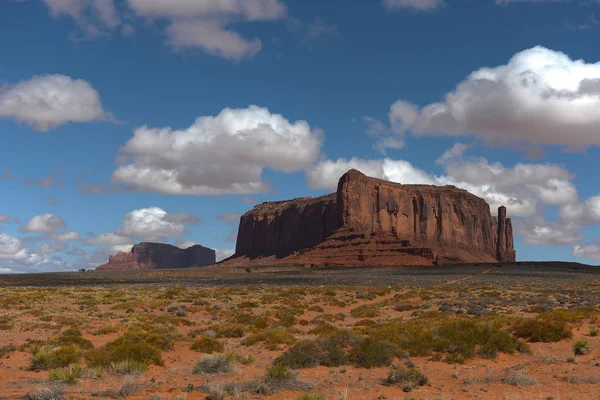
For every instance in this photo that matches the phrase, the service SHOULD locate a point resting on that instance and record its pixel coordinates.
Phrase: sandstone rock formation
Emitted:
(159, 255)
(369, 221)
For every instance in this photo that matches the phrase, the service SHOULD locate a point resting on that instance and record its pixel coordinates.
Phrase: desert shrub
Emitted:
(459, 340)
(6, 322)
(213, 365)
(162, 337)
(253, 321)
(593, 331)
(341, 348)
(286, 318)
(54, 357)
(72, 336)
(370, 353)
(216, 391)
(272, 337)
(581, 347)
(49, 391)
(207, 345)
(280, 373)
(244, 360)
(128, 367)
(365, 311)
(518, 378)
(316, 308)
(407, 378)
(324, 329)
(5, 350)
(542, 329)
(105, 330)
(69, 375)
(230, 331)
(309, 396)
(140, 352)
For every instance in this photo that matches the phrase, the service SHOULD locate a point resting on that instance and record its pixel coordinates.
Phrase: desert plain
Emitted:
(487, 331)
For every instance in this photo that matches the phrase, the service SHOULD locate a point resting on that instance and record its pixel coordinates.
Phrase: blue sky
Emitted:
(130, 120)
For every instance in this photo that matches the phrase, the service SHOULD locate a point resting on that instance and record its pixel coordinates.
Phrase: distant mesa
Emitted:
(160, 256)
(370, 221)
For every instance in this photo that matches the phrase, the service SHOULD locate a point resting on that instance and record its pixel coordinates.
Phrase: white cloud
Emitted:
(218, 155)
(149, 222)
(204, 24)
(222, 254)
(589, 250)
(69, 236)
(233, 217)
(537, 231)
(186, 244)
(48, 101)
(11, 248)
(92, 17)
(49, 248)
(109, 239)
(418, 5)
(540, 96)
(46, 223)
(125, 248)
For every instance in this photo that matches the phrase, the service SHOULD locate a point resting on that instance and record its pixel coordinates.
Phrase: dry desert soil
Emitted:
(518, 331)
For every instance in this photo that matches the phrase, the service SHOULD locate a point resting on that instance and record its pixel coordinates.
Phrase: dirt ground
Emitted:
(256, 318)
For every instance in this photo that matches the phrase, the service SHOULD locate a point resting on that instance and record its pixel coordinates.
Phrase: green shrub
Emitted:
(213, 365)
(279, 373)
(581, 347)
(69, 375)
(543, 329)
(407, 378)
(57, 357)
(5, 350)
(128, 367)
(308, 396)
(593, 331)
(72, 336)
(207, 345)
(254, 322)
(272, 337)
(365, 311)
(370, 353)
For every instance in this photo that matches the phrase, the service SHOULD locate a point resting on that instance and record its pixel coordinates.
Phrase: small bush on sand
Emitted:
(407, 378)
(518, 378)
(581, 347)
(542, 329)
(69, 375)
(207, 345)
(57, 357)
(308, 396)
(5, 350)
(128, 367)
(49, 391)
(72, 336)
(215, 392)
(365, 311)
(213, 365)
(272, 337)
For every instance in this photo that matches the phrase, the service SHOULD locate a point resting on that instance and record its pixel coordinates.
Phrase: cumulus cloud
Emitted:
(416, 5)
(49, 248)
(68, 236)
(205, 24)
(11, 248)
(48, 101)
(232, 217)
(186, 244)
(224, 154)
(46, 223)
(589, 250)
(538, 231)
(49, 181)
(222, 254)
(92, 17)
(152, 223)
(539, 97)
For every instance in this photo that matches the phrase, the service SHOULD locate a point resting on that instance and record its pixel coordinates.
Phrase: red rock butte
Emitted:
(160, 256)
(370, 221)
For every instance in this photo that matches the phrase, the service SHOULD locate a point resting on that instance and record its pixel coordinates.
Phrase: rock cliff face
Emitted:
(159, 255)
(369, 221)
